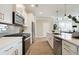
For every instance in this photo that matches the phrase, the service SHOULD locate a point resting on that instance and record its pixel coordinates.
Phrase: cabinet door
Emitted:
(68, 48)
(66, 51)
(8, 51)
(51, 42)
(6, 12)
(20, 48)
(21, 10)
(50, 39)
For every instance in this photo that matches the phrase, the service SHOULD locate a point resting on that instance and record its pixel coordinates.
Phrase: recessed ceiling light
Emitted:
(41, 12)
(32, 5)
(19, 5)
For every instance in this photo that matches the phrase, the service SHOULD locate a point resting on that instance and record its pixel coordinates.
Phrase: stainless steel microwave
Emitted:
(17, 18)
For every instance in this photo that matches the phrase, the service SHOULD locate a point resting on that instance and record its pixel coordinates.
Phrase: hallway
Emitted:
(40, 47)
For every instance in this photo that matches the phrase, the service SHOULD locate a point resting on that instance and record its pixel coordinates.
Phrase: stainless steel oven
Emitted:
(25, 40)
(27, 44)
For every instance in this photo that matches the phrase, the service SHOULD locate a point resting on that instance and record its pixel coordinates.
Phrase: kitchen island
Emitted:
(70, 45)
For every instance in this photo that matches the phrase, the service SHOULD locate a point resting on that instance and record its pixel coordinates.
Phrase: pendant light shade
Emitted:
(65, 10)
(69, 16)
(65, 15)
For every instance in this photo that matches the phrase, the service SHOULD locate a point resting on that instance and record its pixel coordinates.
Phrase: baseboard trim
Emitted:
(39, 37)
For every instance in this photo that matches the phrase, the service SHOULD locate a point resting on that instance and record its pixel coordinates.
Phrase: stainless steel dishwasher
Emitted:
(58, 46)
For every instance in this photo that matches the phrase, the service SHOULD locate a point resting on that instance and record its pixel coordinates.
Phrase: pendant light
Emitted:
(65, 9)
(65, 12)
(70, 16)
(34, 5)
(57, 13)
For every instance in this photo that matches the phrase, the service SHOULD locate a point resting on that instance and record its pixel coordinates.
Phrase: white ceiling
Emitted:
(50, 9)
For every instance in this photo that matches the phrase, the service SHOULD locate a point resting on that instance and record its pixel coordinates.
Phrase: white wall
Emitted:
(30, 18)
(13, 29)
(41, 25)
(46, 28)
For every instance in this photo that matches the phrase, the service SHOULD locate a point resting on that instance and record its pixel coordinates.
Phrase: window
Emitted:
(65, 26)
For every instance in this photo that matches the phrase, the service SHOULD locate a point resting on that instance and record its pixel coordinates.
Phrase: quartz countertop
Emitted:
(68, 37)
(6, 41)
(17, 35)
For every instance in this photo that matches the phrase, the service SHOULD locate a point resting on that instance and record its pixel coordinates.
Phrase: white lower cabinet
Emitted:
(50, 39)
(14, 48)
(10, 50)
(20, 47)
(68, 48)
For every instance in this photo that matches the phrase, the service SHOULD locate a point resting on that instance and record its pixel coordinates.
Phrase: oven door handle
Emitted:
(27, 38)
(57, 40)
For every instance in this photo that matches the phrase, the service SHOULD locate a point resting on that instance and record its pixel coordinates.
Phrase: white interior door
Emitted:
(46, 28)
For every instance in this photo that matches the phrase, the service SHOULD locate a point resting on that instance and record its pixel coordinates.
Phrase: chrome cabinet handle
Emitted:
(27, 38)
(57, 40)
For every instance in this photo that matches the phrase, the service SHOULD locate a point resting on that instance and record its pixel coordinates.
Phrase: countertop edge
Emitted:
(66, 40)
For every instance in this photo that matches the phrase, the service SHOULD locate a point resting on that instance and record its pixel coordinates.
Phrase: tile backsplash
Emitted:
(8, 29)
(3, 28)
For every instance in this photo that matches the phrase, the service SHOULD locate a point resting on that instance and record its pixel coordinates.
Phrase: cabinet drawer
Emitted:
(65, 51)
(69, 47)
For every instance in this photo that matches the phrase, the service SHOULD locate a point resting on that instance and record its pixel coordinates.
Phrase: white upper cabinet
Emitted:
(6, 13)
(21, 10)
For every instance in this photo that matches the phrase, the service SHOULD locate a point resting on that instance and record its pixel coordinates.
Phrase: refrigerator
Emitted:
(33, 32)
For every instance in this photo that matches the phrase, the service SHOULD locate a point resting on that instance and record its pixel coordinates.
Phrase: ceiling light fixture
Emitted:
(41, 12)
(32, 5)
(65, 7)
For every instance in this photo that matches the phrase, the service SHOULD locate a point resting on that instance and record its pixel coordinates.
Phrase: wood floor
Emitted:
(40, 47)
